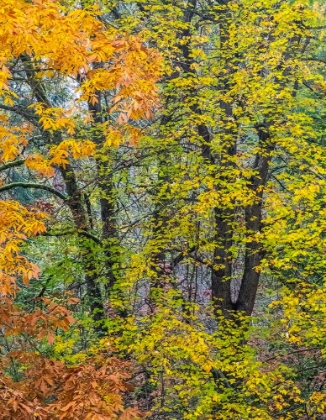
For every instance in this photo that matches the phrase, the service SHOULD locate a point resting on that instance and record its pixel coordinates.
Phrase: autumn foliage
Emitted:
(162, 210)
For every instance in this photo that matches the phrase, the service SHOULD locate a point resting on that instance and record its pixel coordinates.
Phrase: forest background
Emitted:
(162, 209)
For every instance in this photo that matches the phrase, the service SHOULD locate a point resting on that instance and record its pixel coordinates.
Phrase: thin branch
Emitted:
(22, 111)
(292, 352)
(183, 255)
(316, 27)
(33, 185)
(12, 164)
(319, 60)
(74, 232)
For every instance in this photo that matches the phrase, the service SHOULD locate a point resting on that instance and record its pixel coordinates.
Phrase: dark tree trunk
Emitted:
(106, 186)
(253, 219)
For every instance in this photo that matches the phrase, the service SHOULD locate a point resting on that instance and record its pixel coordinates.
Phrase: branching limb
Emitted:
(12, 164)
(33, 185)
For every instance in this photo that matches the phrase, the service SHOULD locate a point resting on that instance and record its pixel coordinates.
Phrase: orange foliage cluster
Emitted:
(69, 43)
(91, 391)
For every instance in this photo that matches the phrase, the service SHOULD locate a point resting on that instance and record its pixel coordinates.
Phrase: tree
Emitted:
(45, 43)
(236, 188)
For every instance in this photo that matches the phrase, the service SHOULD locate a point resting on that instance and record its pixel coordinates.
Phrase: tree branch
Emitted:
(22, 111)
(183, 255)
(12, 164)
(33, 185)
(319, 60)
(73, 232)
(281, 356)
